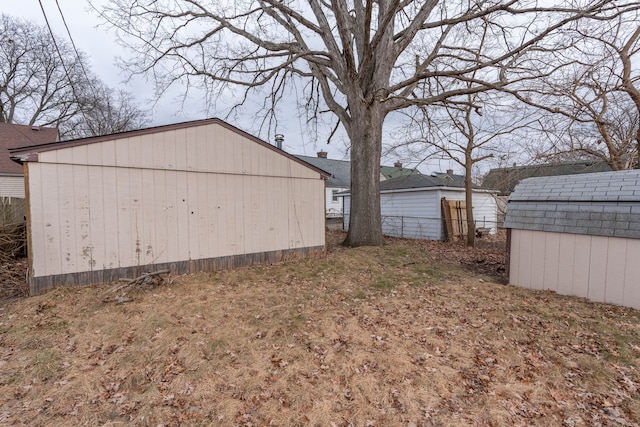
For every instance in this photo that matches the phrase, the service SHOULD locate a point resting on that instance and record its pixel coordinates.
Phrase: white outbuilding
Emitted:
(195, 196)
(411, 206)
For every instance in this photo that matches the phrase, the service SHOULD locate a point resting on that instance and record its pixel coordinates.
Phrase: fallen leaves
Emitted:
(363, 337)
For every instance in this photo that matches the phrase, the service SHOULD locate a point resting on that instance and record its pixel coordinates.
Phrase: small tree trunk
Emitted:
(365, 223)
(468, 192)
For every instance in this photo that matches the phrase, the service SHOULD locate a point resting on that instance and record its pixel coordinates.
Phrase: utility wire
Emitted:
(75, 49)
(62, 61)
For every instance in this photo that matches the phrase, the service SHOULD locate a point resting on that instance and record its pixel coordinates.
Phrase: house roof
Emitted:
(603, 204)
(505, 179)
(390, 172)
(30, 153)
(340, 170)
(13, 136)
(422, 181)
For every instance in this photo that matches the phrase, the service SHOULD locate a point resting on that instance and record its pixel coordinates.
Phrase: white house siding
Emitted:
(12, 186)
(417, 214)
(333, 207)
(603, 269)
(176, 196)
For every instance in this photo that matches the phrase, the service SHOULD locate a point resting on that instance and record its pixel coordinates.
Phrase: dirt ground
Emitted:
(409, 334)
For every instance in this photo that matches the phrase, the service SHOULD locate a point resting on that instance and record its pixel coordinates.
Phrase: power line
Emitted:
(62, 61)
(73, 44)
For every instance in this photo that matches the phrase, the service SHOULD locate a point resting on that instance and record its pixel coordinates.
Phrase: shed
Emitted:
(411, 205)
(577, 235)
(196, 196)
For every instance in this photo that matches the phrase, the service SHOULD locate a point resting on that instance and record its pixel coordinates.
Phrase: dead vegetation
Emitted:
(13, 265)
(362, 337)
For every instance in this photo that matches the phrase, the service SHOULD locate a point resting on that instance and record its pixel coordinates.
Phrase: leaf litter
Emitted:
(406, 334)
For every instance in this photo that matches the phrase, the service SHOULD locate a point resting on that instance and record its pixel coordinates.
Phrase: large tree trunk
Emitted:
(365, 224)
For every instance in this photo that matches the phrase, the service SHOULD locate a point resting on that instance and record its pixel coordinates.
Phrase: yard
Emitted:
(410, 334)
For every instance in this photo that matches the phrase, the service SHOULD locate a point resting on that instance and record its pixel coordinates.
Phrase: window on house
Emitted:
(334, 195)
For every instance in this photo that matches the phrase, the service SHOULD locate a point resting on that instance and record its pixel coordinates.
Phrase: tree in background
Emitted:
(593, 103)
(472, 130)
(48, 86)
(358, 60)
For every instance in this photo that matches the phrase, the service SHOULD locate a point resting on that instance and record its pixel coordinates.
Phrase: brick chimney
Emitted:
(322, 154)
(449, 171)
(398, 164)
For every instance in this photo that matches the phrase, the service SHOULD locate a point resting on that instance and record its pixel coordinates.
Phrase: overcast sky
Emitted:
(94, 39)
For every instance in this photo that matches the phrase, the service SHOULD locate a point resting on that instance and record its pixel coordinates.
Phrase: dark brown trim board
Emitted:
(37, 285)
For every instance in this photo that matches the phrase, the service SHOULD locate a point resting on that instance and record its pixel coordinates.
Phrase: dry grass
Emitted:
(363, 337)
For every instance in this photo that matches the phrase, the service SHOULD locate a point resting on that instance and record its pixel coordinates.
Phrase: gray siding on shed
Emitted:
(598, 204)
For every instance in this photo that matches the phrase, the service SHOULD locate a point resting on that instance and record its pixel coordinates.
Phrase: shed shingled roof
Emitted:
(600, 204)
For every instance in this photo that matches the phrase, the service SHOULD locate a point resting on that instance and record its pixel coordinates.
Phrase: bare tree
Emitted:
(472, 130)
(593, 103)
(49, 85)
(359, 59)
(106, 112)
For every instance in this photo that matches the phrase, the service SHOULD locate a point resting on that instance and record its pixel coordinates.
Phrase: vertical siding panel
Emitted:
(204, 216)
(565, 262)
(631, 294)
(107, 153)
(279, 218)
(194, 223)
(551, 261)
(68, 256)
(514, 259)
(240, 183)
(191, 144)
(178, 138)
(213, 214)
(143, 148)
(538, 260)
(169, 149)
(83, 246)
(598, 267)
(616, 258)
(200, 135)
(125, 251)
(97, 218)
(79, 155)
(158, 153)
(110, 217)
(45, 220)
(170, 209)
(581, 266)
(136, 241)
(183, 215)
(150, 244)
(526, 251)
(135, 152)
(160, 227)
(269, 200)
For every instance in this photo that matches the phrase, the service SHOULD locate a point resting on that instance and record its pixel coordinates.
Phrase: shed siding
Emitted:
(12, 186)
(603, 269)
(158, 199)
